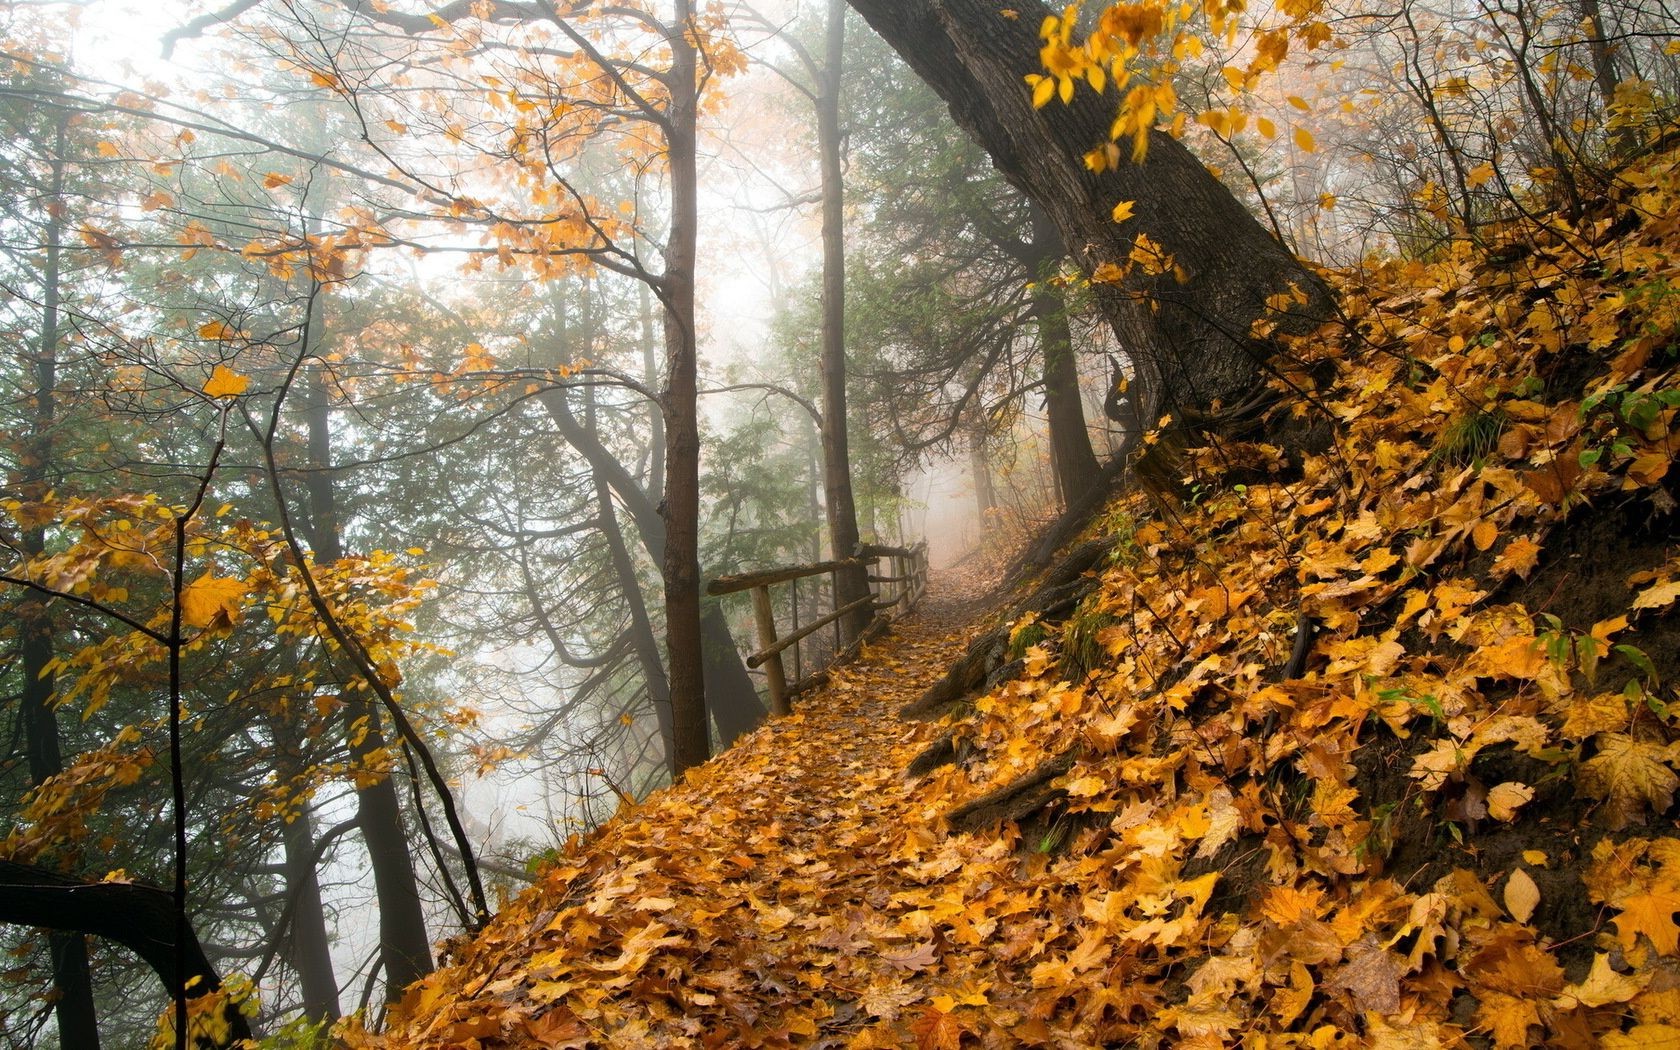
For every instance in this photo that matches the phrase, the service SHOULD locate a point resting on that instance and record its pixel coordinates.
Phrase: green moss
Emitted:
(1471, 439)
(1025, 637)
(1082, 651)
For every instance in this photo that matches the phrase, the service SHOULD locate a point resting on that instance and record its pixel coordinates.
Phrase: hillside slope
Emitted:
(1361, 739)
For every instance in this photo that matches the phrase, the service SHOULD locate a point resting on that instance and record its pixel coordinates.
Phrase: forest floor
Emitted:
(760, 888)
(1357, 729)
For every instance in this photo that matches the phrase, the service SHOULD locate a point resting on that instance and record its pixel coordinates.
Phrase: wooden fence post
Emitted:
(773, 673)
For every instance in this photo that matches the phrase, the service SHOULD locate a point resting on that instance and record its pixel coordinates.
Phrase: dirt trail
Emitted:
(757, 903)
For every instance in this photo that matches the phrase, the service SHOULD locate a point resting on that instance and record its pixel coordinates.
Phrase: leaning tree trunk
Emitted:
(731, 696)
(141, 918)
(1191, 340)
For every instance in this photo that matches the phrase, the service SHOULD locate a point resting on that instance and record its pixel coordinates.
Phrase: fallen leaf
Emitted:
(1522, 896)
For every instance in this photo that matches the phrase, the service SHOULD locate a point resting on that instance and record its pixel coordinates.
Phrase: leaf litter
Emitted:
(1453, 827)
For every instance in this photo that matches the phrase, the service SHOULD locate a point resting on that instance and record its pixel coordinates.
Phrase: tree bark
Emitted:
(405, 950)
(851, 583)
(139, 917)
(1077, 469)
(691, 742)
(309, 947)
(72, 983)
(1190, 341)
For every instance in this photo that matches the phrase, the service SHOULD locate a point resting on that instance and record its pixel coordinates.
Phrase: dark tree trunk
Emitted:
(140, 918)
(72, 984)
(985, 497)
(685, 658)
(309, 949)
(851, 583)
(404, 948)
(1076, 464)
(733, 699)
(1190, 341)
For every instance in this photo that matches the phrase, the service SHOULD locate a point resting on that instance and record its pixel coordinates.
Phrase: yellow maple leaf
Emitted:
(1520, 556)
(1658, 596)
(1601, 987)
(225, 382)
(1628, 775)
(1507, 1017)
(212, 601)
(1643, 1037)
(218, 330)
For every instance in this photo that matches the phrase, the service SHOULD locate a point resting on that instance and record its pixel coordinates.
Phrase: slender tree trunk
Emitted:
(655, 478)
(404, 948)
(1191, 341)
(734, 704)
(691, 743)
(309, 949)
(72, 984)
(985, 497)
(1076, 464)
(853, 582)
(1598, 46)
(643, 639)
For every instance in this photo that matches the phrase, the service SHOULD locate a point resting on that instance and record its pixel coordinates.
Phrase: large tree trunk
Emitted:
(1190, 340)
(140, 918)
(851, 583)
(404, 948)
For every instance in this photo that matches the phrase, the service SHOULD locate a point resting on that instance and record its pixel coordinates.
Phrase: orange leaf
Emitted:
(225, 382)
(937, 1030)
(219, 330)
(212, 602)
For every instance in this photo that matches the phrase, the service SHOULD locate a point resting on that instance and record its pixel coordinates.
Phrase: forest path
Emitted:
(766, 900)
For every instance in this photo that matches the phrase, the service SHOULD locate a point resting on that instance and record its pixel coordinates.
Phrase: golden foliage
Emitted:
(1389, 849)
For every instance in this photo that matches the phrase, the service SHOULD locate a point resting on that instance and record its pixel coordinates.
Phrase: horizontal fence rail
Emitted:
(897, 587)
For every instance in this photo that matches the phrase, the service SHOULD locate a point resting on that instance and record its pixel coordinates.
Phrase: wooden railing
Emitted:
(899, 586)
